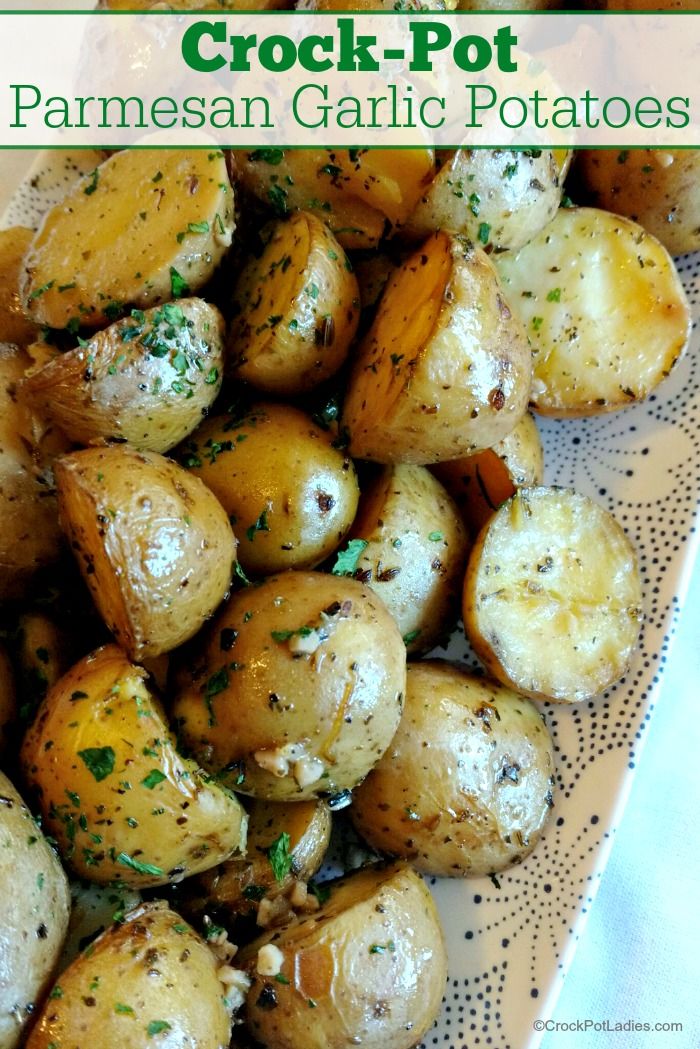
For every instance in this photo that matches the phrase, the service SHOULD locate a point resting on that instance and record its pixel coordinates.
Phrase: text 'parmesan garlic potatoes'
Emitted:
(154, 545)
(295, 309)
(466, 784)
(552, 596)
(604, 309)
(445, 367)
(147, 380)
(369, 968)
(412, 551)
(34, 910)
(289, 493)
(145, 227)
(297, 690)
(149, 981)
(116, 795)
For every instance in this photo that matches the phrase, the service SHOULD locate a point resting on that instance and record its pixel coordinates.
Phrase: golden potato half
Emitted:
(297, 690)
(149, 981)
(145, 227)
(296, 309)
(154, 545)
(121, 802)
(369, 968)
(147, 380)
(290, 494)
(445, 367)
(465, 787)
(15, 325)
(552, 596)
(604, 309)
(34, 910)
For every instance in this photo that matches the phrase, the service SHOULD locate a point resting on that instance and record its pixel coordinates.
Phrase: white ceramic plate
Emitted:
(510, 939)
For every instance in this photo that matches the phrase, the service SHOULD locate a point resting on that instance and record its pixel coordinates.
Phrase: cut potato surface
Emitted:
(116, 795)
(15, 325)
(603, 307)
(445, 367)
(296, 309)
(369, 968)
(147, 380)
(466, 786)
(552, 596)
(147, 226)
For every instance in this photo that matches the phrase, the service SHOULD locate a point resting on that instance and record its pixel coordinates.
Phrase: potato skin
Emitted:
(308, 824)
(34, 910)
(290, 494)
(496, 197)
(152, 968)
(297, 690)
(466, 786)
(295, 310)
(369, 968)
(15, 325)
(479, 483)
(445, 368)
(30, 536)
(658, 188)
(154, 546)
(8, 700)
(147, 380)
(112, 787)
(116, 256)
(416, 551)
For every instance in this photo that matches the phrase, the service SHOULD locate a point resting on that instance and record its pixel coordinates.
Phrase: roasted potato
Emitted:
(42, 656)
(196, 5)
(147, 380)
(290, 494)
(355, 192)
(479, 483)
(147, 226)
(297, 689)
(412, 550)
(603, 307)
(553, 573)
(445, 367)
(114, 792)
(655, 187)
(93, 909)
(301, 832)
(466, 784)
(296, 309)
(34, 909)
(29, 537)
(376, 5)
(499, 198)
(154, 545)
(15, 325)
(8, 700)
(150, 980)
(368, 969)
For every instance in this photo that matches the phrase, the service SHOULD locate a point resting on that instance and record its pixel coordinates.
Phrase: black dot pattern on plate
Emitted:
(510, 938)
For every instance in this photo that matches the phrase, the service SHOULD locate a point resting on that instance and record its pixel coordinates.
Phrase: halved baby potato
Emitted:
(154, 545)
(148, 379)
(369, 968)
(296, 309)
(150, 980)
(479, 483)
(552, 596)
(445, 367)
(290, 494)
(355, 192)
(296, 690)
(413, 551)
(15, 325)
(466, 786)
(237, 885)
(604, 309)
(145, 227)
(114, 792)
(499, 198)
